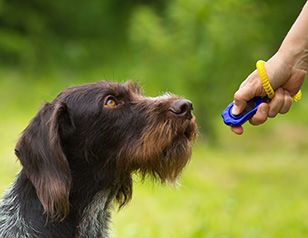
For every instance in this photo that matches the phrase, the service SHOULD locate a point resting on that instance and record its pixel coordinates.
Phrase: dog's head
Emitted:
(105, 131)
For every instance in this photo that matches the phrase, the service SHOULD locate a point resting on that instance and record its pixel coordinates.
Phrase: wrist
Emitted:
(295, 44)
(295, 53)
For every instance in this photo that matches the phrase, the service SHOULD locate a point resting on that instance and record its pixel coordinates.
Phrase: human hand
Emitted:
(285, 79)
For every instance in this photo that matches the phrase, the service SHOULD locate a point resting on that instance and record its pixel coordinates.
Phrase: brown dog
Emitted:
(79, 152)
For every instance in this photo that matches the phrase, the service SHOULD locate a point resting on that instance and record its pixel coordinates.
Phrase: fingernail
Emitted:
(235, 110)
(264, 110)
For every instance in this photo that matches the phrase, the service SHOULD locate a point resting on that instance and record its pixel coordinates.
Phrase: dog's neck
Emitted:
(95, 217)
(89, 212)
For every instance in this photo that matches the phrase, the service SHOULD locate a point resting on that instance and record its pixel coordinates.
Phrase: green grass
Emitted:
(251, 186)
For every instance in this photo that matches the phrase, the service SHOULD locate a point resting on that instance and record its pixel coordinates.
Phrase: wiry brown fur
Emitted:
(157, 141)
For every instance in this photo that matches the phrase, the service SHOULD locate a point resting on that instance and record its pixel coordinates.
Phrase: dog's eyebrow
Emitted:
(132, 87)
(125, 91)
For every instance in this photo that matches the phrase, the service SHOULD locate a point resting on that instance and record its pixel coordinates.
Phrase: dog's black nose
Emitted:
(182, 108)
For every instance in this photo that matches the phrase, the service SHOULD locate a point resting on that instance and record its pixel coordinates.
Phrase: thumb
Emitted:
(239, 105)
(241, 97)
(250, 88)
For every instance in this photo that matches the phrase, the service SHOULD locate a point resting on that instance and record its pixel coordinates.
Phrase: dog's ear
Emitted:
(41, 154)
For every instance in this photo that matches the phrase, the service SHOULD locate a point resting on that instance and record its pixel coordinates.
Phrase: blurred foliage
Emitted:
(251, 186)
(201, 49)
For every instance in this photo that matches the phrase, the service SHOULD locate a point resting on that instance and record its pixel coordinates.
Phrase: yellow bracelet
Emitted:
(266, 84)
(264, 79)
(297, 96)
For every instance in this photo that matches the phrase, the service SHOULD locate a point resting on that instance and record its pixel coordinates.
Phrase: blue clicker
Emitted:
(249, 111)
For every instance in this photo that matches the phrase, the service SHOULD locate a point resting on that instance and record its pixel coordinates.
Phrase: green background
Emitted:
(254, 185)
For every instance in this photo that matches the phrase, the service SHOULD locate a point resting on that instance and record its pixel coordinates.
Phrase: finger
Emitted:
(276, 103)
(250, 88)
(261, 115)
(239, 102)
(237, 130)
(287, 103)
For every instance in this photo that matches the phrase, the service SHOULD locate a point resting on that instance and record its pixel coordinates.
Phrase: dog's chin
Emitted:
(165, 160)
(187, 131)
(177, 154)
(174, 158)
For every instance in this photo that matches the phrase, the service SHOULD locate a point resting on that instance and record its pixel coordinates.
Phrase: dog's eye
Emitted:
(110, 102)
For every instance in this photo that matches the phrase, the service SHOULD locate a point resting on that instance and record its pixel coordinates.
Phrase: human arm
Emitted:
(286, 71)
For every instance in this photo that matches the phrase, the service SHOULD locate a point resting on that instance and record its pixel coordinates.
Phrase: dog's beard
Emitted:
(176, 154)
(174, 158)
(161, 153)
